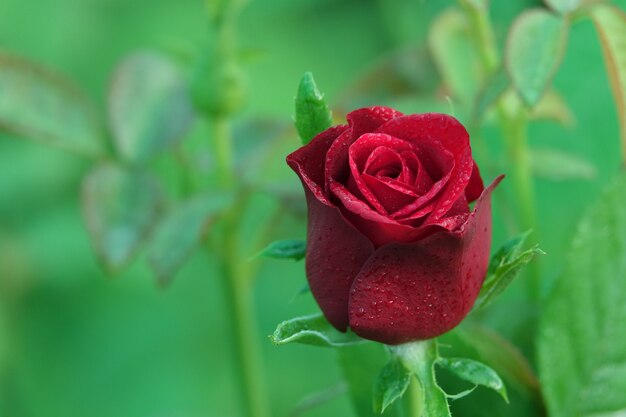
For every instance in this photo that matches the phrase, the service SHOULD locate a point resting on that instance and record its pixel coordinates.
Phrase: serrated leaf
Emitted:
(120, 207)
(312, 113)
(610, 23)
(534, 50)
(504, 266)
(390, 385)
(475, 372)
(501, 355)
(490, 93)
(312, 330)
(285, 249)
(181, 231)
(420, 358)
(454, 54)
(557, 165)
(149, 106)
(360, 365)
(553, 107)
(582, 342)
(462, 394)
(37, 104)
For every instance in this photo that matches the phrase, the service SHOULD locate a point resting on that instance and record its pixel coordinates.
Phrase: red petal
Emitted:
(475, 186)
(421, 290)
(308, 161)
(434, 127)
(368, 119)
(390, 197)
(335, 254)
(359, 121)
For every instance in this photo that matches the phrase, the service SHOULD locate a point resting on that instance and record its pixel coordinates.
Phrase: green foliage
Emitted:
(582, 344)
(495, 86)
(390, 385)
(360, 366)
(553, 106)
(420, 359)
(36, 103)
(149, 106)
(312, 113)
(504, 266)
(535, 48)
(610, 23)
(312, 330)
(285, 249)
(557, 165)
(475, 372)
(120, 207)
(181, 231)
(218, 84)
(563, 6)
(499, 354)
(454, 54)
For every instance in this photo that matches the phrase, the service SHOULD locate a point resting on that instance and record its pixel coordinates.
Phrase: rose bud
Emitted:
(393, 249)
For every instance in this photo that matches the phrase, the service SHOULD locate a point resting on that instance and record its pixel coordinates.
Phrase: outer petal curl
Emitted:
(335, 253)
(421, 290)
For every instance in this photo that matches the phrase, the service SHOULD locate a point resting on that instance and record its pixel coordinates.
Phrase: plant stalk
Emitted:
(514, 124)
(237, 287)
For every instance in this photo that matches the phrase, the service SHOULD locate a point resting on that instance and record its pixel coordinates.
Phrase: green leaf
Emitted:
(563, 6)
(475, 372)
(37, 104)
(557, 165)
(504, 266)
(490, 93)
(610, 23)
(390, 385)
(582, 342)
(360, 365)
(285, 249)
(454, 54)
(498, 353)
(534, 50)
(149, 106)
(312, 113)
(120, 207)
(553, 107)
(181, 231)
(312, 330)
(420, 358)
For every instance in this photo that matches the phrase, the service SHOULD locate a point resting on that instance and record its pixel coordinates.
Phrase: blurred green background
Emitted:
(75, 342)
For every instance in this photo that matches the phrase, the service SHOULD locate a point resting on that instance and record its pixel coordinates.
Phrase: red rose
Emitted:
(393, 249)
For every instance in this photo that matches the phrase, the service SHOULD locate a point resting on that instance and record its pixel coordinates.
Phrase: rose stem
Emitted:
(235, 273)
(514, 123)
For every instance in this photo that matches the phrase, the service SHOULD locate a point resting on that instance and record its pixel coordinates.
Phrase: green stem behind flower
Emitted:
(427, 398)
(237, 286)
(234, 271)
(514, 123)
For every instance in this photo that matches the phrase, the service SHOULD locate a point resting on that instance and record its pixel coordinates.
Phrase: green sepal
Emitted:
(285, 249)
(390, 385)
(420, 358)
(312, 113)
(313, 330)
(504, 266)
(475, 372)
